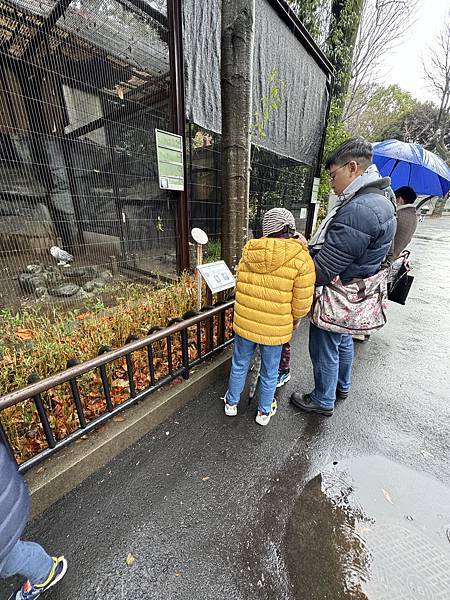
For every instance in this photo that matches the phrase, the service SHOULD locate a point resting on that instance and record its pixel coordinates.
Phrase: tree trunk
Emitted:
(236, 91)
(345, 21)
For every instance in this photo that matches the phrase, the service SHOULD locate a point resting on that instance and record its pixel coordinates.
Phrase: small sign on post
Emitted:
(217, 276)
(200, 238)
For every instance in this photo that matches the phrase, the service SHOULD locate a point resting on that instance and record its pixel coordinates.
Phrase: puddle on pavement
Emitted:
(370, 529)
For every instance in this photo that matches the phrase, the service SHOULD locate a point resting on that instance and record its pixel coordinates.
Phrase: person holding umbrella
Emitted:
(413, 170)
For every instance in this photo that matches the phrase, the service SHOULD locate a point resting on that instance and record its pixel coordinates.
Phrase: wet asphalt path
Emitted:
(209, 506)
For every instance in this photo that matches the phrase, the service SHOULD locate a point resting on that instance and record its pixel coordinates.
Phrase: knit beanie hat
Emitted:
(276, 219)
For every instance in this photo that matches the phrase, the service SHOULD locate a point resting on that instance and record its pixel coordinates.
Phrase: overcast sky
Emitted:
(403, 66)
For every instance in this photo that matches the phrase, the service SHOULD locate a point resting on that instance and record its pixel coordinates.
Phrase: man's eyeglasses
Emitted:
(333, 174)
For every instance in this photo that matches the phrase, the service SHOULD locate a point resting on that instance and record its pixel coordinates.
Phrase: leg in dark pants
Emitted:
(285, 361)
(332, 358)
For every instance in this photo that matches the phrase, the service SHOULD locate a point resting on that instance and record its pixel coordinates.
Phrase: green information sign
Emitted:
(169, 147)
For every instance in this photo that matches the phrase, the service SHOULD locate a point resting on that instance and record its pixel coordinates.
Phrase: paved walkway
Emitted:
(204, 502)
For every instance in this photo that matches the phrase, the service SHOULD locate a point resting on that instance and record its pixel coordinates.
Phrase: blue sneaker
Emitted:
(283, 378)
(30, 592)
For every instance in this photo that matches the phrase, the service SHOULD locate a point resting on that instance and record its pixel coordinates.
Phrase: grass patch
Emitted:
(41, 342)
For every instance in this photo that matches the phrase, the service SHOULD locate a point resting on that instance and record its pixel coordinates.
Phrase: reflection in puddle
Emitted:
(370, 529)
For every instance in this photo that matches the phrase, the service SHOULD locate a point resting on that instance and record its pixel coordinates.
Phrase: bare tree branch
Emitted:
(437, 74)
(384, 24)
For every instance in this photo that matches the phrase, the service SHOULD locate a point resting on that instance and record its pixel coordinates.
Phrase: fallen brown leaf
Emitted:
(24, 334)
(82, 316)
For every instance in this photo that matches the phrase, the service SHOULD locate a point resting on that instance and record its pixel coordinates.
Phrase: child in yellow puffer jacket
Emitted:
(274, 290)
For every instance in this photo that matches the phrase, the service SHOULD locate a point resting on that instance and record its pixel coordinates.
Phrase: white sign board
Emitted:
(315, 190)
(217, 276)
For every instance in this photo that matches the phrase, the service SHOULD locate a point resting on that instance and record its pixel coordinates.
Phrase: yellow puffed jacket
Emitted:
(275, 284)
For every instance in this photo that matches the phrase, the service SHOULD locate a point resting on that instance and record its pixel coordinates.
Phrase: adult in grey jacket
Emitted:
(16, 556)
(406, 219)
(352, 243)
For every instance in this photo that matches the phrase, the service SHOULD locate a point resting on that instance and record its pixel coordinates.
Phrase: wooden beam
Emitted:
(48, 24)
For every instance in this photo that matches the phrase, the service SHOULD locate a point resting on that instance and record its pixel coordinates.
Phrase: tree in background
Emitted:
(393, 113)
(356, 36)
(384, 24)
(315, 16)
(334, 24)
(344, 25)
(437, 72)
(345, 17)
(385, 109)
(418, 125)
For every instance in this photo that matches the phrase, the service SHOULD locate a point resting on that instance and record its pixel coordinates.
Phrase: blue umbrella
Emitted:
(410, 164)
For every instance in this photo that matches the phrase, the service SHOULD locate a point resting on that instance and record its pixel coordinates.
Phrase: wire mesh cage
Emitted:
(83, 86)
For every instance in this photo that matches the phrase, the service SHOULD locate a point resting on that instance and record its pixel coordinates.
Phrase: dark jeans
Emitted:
(332, 358)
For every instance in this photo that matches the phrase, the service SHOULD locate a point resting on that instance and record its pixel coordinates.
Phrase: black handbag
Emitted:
(398, 290)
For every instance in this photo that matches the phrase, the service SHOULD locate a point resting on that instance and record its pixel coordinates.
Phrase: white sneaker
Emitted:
(262, 419)
(230, 409)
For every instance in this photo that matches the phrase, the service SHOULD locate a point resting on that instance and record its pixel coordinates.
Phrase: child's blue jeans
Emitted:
(242, 356)
(29, 560)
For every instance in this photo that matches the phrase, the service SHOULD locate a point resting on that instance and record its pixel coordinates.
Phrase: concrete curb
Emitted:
(65, 470)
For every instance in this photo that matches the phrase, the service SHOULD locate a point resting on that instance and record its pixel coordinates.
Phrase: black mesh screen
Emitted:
(274, 181)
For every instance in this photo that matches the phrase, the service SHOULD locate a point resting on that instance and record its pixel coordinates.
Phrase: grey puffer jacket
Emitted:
(359, 237)
(14, 503)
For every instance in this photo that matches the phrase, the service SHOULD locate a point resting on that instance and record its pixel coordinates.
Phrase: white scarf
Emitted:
(370, 175)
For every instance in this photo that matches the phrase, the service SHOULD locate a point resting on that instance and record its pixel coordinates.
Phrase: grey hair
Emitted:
(356, 149)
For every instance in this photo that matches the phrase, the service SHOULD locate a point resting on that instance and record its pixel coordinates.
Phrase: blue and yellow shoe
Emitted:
(273, 408)
(30, 592)
(283, 378)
